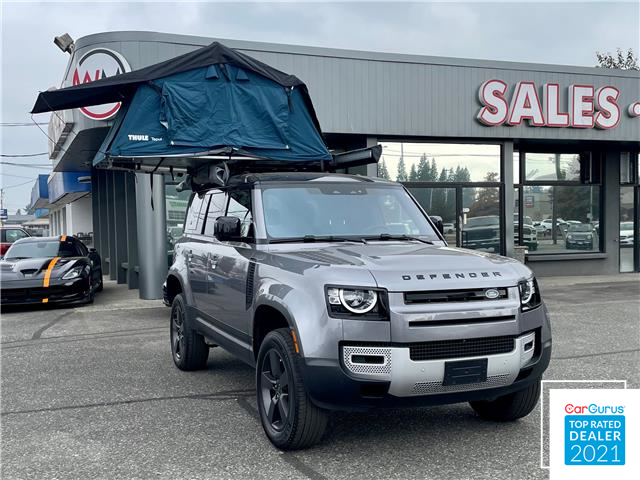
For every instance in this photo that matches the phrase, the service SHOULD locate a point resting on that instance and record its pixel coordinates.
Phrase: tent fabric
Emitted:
(207, 110)
(120, 87)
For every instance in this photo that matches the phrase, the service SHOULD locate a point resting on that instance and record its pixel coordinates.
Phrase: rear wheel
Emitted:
(188, 348)
(100, 284)
(289, 418)
(509, 407)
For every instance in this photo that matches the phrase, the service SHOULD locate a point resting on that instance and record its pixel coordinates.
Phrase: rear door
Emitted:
(195, 246)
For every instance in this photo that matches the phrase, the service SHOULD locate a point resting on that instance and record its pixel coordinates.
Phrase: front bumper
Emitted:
(29, 292)
(329, 386)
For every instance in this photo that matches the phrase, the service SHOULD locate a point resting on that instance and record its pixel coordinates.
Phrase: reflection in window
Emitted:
(439, 162)
(552, 166)
(176, 208)
(481, 218)
(440, 202)
(566, 218)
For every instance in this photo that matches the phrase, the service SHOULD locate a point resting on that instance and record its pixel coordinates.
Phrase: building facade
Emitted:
(508, 154)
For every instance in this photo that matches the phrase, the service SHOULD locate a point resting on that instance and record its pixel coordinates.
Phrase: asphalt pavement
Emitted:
(91, 392)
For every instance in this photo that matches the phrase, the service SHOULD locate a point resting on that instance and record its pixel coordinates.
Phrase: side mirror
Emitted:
(227, 228)
(437, 220)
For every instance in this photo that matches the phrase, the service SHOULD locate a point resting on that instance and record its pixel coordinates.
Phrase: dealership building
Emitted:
(509, 154)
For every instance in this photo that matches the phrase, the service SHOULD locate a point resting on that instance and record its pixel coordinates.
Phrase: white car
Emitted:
(626, 234)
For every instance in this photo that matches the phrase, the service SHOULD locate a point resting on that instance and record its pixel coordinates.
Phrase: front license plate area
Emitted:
(465, 372)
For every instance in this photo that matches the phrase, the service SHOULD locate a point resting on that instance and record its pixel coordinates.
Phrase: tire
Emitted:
(188, 348)
(289, 418)
(101, 284)
(509, 407)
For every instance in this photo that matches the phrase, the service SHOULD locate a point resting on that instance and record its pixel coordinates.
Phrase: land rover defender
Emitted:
(343, 294)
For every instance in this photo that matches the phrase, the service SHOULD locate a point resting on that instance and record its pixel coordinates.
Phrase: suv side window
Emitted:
(195, 214)
(13, 234)
(240, 206)
(217, 206)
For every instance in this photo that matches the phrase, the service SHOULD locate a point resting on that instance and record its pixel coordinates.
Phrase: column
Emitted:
(508, 197)
(152, 234)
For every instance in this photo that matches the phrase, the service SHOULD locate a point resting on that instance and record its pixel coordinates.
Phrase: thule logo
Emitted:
(450, 276)
(138, 138)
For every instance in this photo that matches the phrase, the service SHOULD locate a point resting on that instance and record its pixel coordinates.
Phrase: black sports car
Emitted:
(49, 270)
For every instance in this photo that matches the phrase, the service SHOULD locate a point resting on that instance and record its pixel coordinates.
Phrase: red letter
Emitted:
(581, 106)
(608, 115)
(525, 104)
(491, 95)
(555, 118)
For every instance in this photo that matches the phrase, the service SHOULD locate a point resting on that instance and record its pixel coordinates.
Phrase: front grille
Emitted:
(424, 388)
(453, 295)
(468, 347)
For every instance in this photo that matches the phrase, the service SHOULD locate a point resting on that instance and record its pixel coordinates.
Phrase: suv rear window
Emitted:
(196, 213)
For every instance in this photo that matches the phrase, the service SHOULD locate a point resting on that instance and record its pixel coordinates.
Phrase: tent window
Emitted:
(212, 73)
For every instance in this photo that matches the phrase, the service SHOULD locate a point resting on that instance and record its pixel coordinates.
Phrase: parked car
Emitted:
(529, 233)
(343, 295)
(448, 228)
(50, 270)
(547, 225)
(580, 236)
(482, 233)
(10, 234)
(626, 234)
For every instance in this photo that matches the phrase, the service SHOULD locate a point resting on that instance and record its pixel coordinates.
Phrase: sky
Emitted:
(542, 32)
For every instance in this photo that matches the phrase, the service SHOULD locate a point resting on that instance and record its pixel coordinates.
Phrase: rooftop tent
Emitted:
(213, 101)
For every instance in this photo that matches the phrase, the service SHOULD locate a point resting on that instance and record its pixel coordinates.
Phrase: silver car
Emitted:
(342, 293)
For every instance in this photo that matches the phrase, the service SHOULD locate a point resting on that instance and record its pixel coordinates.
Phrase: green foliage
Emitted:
(621, 60)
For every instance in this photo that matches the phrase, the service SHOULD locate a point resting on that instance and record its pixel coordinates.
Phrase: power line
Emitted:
(19, 184)
(22, 124)
(28, 165)
(22, 155)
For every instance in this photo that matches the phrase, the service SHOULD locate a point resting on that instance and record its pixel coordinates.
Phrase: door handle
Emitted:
(189, 255)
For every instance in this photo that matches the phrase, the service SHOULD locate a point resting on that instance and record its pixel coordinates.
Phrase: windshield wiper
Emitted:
(387, 236)
(315, 238)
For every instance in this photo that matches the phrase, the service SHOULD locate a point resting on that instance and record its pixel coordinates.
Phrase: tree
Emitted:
(383, 172)
(402, 171)
(413, 173)
(423, 169)
(621, 60)
(488, 200)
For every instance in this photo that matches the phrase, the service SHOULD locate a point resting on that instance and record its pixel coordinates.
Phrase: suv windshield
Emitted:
(581, 227)
(43, 249)
(342, 210)
(483, 221)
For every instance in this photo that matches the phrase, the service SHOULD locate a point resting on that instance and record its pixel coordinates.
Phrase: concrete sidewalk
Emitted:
(588, 279)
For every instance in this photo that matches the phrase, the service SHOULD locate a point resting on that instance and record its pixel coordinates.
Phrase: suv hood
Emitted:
(406, 266)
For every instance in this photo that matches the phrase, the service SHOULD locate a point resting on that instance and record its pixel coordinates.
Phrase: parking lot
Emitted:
(92, 392)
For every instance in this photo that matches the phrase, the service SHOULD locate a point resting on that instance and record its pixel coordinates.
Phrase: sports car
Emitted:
(38, 270)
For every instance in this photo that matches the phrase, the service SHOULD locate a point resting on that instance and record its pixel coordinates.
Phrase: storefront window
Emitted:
(566, 218)
(481, 219)
(440, 202)
(540, 167)
(439, 162)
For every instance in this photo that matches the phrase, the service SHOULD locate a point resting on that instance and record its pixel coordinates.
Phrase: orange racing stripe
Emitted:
(63, 238)
(47, 274)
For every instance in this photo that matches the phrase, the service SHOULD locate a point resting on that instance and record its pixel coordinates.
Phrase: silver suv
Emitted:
(343, 294)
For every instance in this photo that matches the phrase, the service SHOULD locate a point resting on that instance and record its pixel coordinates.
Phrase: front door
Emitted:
(629, 243)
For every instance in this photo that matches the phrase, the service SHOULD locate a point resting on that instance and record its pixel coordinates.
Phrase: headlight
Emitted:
(589, 236)
(529, 294)
(350, 302)
(569, 237)
(75, 272)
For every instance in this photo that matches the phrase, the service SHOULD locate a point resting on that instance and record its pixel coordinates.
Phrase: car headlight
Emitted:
(589, 236)
(356, 302)
(75, 272)
(569, 237)
(529, 294)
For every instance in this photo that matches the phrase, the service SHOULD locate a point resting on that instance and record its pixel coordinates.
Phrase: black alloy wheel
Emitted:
(274, 390)
(177, 335)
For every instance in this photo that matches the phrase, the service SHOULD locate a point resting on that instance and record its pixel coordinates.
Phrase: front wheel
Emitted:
(289, 418)
(509, 407)
(188, 348)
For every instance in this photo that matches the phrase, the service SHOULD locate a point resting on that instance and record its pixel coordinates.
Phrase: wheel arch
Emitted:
(268, 316)
(174, 287)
